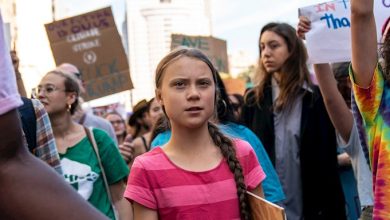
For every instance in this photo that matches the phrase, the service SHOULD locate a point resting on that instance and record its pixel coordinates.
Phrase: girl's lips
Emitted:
(195, 108)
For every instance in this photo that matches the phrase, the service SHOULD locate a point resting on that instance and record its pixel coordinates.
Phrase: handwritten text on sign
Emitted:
(214, 48)
(329, 39)
(92, 43)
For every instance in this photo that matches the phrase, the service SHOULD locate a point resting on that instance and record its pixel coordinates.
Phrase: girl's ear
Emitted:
(159, 96)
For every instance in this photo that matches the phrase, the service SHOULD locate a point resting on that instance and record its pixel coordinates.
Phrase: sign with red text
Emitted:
(92, 43)
(214, 48)
(329, 39)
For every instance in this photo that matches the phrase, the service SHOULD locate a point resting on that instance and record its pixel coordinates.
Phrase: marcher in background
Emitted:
(119, 125)
(36, 124)
(336, 91)
(82, 167)
(142, 143)
(237, 102)
(30, 189)
(287, 113)
(371, 82)
(138, 120)
(209, 172)
(85, 117)
(38, 132)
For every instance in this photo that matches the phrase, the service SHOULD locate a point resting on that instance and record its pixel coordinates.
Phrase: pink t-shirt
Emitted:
(157, 183)
(9, 96)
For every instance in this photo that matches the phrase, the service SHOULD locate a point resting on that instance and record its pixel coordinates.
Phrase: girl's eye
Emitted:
(204, 83)
(179, 84)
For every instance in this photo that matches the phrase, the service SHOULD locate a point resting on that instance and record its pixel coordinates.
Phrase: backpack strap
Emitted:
(92, 140)
(29, 123)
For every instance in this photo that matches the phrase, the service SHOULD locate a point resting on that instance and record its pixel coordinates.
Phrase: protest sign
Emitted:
(214, 48)
(329, 39)
(92, 43)
(234, 86)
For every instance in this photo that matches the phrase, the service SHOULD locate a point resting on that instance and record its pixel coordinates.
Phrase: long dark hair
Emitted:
(139, 112)
(220, 140)
(294, 71)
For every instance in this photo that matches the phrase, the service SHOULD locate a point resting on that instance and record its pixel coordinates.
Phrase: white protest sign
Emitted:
(329, 39)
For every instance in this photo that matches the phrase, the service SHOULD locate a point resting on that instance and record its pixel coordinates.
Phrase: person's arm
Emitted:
(125, 210)
(33, 189)
(143, 213)
(337, 109)
(364, 41)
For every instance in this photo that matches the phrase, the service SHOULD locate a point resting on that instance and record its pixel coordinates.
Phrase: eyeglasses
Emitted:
(48, 89)
(116, 122)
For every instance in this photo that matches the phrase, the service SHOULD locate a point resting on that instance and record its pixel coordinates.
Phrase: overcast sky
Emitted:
(237, 22)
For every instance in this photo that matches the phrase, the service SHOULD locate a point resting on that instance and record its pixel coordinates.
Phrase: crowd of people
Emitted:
(319, 150)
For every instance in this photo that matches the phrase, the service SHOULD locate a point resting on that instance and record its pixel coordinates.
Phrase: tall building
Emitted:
(239, 62)
(26, 21)
(8, 13)
(150, 25)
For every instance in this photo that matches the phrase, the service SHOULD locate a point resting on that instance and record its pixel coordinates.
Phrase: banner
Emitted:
(329, 39)
(92, 43)
(214, 48)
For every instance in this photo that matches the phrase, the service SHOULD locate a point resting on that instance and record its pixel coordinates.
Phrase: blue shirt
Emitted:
(271, 185)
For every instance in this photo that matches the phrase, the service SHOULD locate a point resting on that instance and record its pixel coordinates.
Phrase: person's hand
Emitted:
(303, 27)
(127, 151)
(344, 160)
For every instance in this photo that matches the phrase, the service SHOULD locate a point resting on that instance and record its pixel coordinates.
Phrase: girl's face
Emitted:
(274, 51)
(52, 94)
(155, 112)
(117, 123)
(187, 92)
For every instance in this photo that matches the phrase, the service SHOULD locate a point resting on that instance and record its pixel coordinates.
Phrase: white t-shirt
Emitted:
(9, 95)
(360, 167)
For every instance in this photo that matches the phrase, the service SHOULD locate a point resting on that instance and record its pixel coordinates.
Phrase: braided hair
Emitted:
(224, 143)
(229, 153)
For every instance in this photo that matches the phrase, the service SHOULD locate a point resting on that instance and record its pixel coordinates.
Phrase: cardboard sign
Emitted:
(214, 48)
(234, 86)
(329, 39)
(92, 43)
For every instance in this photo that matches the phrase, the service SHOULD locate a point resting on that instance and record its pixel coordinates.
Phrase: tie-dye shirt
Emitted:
(373, 106)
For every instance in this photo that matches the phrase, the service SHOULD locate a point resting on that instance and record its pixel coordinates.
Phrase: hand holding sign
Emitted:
(329, 39)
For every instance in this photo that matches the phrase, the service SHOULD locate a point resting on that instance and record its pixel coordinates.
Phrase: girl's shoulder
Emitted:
(153, 159)
(243, 148)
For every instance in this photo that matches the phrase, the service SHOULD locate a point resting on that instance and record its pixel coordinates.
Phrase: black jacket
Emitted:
(323, 198)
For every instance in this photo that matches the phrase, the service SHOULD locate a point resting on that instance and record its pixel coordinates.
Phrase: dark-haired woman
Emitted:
(59, 93)
(287, 113)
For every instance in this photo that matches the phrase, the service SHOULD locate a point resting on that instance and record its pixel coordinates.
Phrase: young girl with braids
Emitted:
(199, 173)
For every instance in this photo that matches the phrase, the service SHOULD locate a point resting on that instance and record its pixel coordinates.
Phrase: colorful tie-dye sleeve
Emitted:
(369, 99)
